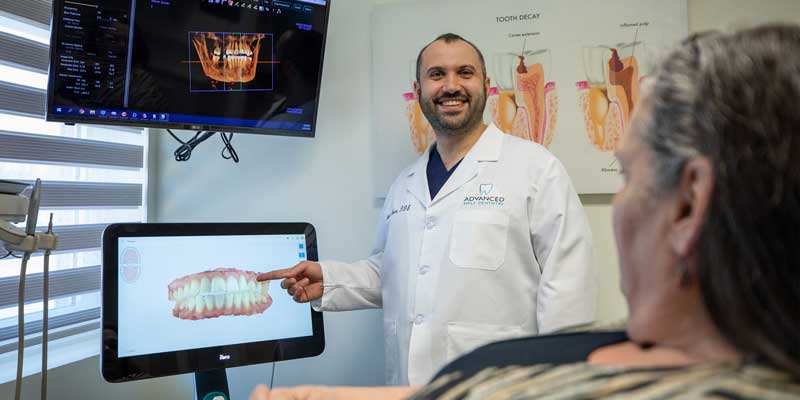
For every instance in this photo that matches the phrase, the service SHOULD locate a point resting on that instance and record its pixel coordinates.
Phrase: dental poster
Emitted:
(563, 73)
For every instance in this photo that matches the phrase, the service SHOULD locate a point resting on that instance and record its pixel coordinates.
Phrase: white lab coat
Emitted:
(503, 251)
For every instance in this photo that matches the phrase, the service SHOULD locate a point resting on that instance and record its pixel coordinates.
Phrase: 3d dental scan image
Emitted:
(230, 61)
(219, 292)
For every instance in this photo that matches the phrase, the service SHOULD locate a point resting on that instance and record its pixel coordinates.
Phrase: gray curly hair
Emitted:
(734, 99)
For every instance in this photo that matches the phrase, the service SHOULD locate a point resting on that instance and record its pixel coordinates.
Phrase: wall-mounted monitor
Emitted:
(217, 65)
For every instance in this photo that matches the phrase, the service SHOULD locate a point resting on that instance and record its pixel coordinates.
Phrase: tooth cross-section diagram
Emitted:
(524, 104)
(608, 96)
(223, 291)
(421, 130)
(231, 58)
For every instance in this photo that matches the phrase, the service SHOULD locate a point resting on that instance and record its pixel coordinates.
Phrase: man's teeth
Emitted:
(452, 103)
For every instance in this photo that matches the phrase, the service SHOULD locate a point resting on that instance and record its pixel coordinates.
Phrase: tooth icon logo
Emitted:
(486, 189)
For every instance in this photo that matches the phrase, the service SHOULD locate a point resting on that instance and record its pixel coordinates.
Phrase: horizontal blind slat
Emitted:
(19, 146)
(60, 321)
(62, 284)
(58, 334)
(78, 237)
(56, 194)
(22, 100)
(34, 10)
(23, 52)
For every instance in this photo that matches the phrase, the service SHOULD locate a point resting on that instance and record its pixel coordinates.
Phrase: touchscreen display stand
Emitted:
(211, 385)
(183, 298)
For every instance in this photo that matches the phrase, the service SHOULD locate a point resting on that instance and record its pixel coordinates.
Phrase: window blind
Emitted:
(91, 177)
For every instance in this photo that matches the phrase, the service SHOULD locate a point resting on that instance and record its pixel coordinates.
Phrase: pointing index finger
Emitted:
(277, 274)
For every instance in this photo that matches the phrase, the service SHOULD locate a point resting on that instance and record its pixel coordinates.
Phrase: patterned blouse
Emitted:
(556, 380)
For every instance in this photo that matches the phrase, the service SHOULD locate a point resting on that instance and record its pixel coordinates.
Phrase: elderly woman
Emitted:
(706, 226)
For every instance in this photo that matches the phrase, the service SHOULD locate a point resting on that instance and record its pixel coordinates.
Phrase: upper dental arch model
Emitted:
(222, 291)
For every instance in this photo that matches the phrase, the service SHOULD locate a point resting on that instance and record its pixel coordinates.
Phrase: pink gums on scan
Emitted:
(223, 291)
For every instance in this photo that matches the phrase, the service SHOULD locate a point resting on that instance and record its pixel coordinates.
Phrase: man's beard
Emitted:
(459, 126)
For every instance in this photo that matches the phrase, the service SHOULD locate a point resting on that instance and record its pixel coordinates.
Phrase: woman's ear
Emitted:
(692, 200)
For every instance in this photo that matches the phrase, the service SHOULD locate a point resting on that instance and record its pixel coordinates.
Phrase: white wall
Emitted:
(327, 181)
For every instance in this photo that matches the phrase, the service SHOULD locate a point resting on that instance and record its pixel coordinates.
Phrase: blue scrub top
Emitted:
(437, 173)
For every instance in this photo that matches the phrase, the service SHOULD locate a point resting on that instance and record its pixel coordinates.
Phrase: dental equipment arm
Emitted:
(27, 241)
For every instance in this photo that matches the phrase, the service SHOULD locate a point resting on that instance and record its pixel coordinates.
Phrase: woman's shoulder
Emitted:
(605, 326)
(582, 380)
(563, 347)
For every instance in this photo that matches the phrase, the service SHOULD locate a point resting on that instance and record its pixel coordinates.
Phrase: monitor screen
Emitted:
(219, 65)
(187, 296)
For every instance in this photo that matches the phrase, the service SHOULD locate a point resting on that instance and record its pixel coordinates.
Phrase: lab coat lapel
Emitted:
(486, 149)
(418, 179)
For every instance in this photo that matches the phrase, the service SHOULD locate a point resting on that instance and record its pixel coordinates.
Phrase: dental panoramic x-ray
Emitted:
(211, 65)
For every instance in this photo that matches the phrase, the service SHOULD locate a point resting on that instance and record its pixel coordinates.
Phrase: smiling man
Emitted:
(482, 239)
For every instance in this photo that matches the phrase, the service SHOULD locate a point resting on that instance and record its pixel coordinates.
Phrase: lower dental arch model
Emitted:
(232, 59)
(223, 291)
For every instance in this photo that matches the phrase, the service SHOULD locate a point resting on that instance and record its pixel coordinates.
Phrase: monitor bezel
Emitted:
(115, 369)
(50, 116)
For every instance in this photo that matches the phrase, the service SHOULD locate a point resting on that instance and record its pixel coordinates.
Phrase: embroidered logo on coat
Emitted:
(484, 197)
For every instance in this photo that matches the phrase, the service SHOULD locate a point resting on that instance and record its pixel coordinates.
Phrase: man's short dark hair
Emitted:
(450, 38)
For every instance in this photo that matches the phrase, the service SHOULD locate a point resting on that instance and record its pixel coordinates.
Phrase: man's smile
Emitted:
(452, 104)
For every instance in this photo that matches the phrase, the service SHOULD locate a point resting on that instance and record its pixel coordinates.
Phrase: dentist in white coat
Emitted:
(482, 239)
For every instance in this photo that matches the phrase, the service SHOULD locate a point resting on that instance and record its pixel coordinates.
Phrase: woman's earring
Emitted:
(686, 276)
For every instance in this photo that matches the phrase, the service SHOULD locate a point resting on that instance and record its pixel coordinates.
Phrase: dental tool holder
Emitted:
(12, 238)
(13, 207)
(211, 385)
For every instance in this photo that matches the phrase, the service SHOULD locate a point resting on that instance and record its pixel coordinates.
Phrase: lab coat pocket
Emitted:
(463, 337)
(391, 352)
(479, 239)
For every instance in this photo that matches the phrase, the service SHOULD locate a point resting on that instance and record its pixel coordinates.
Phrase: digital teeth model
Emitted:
(232, 58)
(223, 291)
(608, 96)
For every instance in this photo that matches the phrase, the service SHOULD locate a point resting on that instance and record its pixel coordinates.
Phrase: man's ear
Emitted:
(418, 89)
(692, 200)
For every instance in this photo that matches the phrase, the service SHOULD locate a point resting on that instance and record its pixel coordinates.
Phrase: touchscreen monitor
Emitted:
(181, 298)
